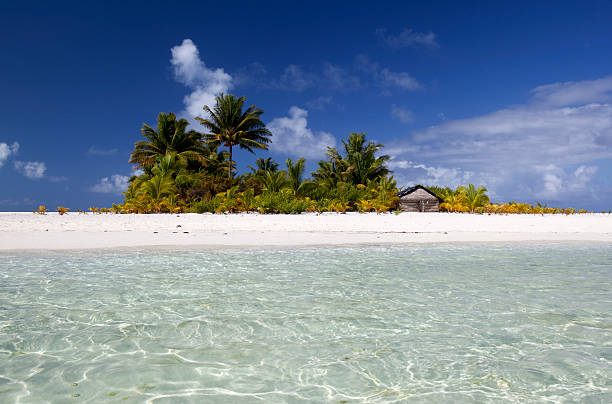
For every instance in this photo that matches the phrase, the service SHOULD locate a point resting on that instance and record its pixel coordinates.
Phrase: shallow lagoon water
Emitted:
(422, 323)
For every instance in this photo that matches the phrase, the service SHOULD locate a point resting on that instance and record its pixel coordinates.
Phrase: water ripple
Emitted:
(452, 323)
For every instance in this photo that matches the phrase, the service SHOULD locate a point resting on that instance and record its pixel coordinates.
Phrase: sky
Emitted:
(516, 96)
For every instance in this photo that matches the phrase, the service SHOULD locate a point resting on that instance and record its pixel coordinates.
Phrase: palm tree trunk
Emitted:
(229, 170)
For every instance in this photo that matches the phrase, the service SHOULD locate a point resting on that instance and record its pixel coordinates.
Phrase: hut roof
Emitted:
(410, 190)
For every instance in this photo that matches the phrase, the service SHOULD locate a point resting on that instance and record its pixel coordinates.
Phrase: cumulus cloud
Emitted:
(97, 151)
(408, 172)
(204, 82)
(7, 150)
(542, 149)
(115, 184)
(31, 169)
(556, 180)
(408, 38)
(292, 136)
(403, 114)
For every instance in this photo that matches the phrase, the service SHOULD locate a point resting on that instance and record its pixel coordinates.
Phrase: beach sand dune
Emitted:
(83, 231)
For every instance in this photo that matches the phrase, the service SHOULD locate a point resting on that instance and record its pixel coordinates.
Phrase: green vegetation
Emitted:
(184, 171)
(229, 126)
(474, 199)
(169, 138)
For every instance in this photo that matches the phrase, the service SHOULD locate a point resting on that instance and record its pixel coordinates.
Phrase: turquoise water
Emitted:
(433, 323)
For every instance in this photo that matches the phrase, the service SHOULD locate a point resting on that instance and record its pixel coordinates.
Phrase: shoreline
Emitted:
(21, 231)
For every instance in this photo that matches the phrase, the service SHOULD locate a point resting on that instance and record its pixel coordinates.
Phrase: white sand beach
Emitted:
(28, 231)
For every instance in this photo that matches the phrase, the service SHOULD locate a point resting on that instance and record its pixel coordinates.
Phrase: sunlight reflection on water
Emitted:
(427, 323)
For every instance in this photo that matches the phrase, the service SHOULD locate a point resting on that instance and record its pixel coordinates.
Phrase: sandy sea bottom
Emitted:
(422, 323)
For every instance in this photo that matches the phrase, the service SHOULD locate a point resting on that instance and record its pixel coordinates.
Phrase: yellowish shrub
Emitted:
(42, 210)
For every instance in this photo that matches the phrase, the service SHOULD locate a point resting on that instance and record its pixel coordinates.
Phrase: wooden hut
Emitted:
(418, 199)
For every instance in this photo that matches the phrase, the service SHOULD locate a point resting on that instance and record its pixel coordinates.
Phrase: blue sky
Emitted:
(516, 96)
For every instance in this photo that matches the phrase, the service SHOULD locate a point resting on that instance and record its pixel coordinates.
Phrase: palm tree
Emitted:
(171, 136)
(266, 164)
(362, 160)
(328, 174)
(217, 162)
(474, 197)
(157, 188)
(274, 181)
(168, 165)
(359, 165)
(454, 200)
(295, 172)
(230, 126)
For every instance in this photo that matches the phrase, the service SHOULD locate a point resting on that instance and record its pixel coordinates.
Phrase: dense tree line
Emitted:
(189, 171)
(185, 170)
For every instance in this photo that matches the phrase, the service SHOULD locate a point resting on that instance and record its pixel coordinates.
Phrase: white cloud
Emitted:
(294, 78)
(96, 151)
(408, 38)
(338, 78)
(412, 173)
(7, 150)
(403, 114)
(401, 80)
(32, 169)
(292, 136)
(574, 92)
(542, 149)
(573, 134)
(205, 83)
(115, 184)
(582, 176)
(556, 180)
(385, 77)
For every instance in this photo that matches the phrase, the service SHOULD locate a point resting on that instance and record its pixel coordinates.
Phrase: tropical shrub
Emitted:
(282, 202)
(474, 197)
(209, 205)
(364, 205)
(62, 211)
(42, 210)
(463, 199)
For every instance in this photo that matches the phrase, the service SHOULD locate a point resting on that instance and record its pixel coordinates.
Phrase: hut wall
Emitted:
(419, 201)
(415, 206)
